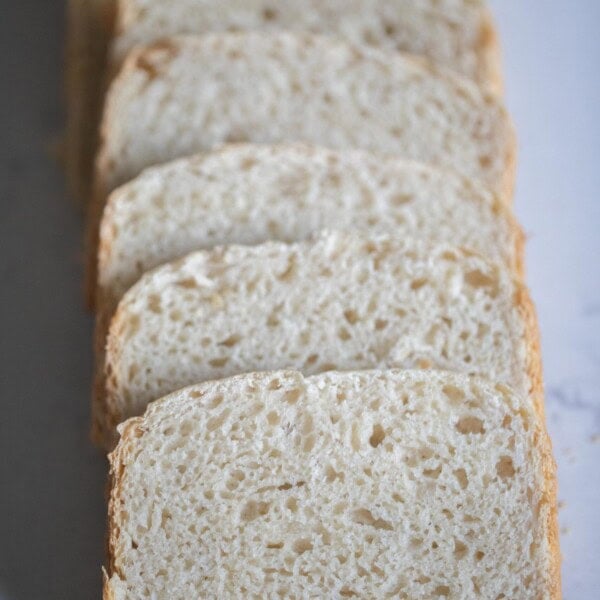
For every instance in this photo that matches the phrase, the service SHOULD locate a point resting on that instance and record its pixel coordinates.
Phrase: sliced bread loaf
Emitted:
(188, 94)
(369, 485)
(249, 194)
(457, 34)
(339, 301)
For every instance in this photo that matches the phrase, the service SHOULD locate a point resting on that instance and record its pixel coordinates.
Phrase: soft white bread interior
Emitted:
(188, 94)
(389, 484)
(339, 301)
(251, 193)
(458, 34)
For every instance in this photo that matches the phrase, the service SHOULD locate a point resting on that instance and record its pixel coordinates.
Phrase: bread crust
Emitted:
(118, 459)
(490, 53)
(535, 371)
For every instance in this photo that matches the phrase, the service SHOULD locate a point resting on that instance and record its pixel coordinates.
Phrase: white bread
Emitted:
(189, 94)
(458, 34)
(389, 484)
(249, 194)
(338, 301)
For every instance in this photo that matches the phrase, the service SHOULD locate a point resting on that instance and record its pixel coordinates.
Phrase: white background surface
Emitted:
(52, 482)
(552, 65)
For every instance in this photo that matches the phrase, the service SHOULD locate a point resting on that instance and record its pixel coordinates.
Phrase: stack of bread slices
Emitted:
(317, 364)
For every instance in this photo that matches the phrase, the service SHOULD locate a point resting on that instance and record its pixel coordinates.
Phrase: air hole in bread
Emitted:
(217, 421)
(485, 161)
(275, 545)
(292, 396)
(311, 360)
(273, 418)
(363, 516)
(154, 304)
(460, 549)
(454, 394)
(433, 473)
(231, 341)
(351, 316)
(470, 424)
(417, 284)
(461, 477)
(253, 510)
(505, 467)
(331, 475)
(309, 443)
(343, 334)
(478, 279)
(303, 545)
(273, 320)
(380, 324)
(189, 283)
(218, 363)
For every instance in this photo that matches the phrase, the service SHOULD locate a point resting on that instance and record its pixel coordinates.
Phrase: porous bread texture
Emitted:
(188, 94)
(411, 485)
(458, 34)
(250, 193)
(339, 301)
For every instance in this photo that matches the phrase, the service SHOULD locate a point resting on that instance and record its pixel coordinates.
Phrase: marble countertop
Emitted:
(52, 482)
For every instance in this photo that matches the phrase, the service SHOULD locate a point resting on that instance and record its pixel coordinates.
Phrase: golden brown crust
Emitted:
(105, 414)
(99, 430)
(132, 430)
(99, 192)
(489, 53)
(534, 369)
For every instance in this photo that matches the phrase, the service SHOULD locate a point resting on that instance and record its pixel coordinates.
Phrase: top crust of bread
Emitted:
(376, 437)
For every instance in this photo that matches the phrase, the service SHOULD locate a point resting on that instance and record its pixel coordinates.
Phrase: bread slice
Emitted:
(249, 194)
(188, 94)
(369, 485)
(339, 301)
(458, 34)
